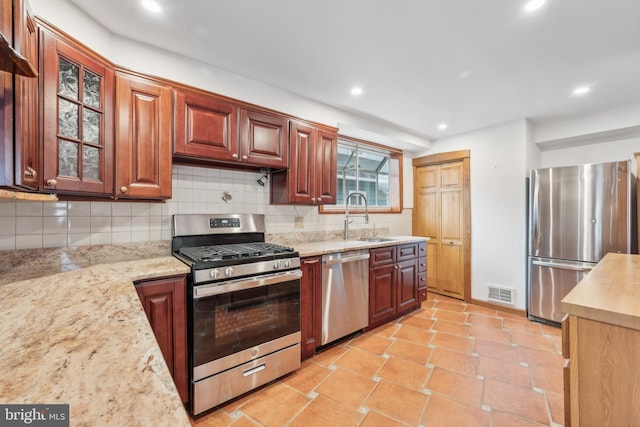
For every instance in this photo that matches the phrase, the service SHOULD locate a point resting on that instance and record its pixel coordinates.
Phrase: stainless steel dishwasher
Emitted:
(345, 294)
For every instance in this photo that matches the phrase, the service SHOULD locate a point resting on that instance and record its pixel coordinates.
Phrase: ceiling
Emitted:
(420, 63)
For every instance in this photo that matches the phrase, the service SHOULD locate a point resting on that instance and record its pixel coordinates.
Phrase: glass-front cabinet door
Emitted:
(78, 119)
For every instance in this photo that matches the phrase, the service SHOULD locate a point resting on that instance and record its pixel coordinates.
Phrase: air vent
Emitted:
(501, 294)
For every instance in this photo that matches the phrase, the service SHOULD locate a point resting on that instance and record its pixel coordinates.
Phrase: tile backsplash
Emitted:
(29, 225)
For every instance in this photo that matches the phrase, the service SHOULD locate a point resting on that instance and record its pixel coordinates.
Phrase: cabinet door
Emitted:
(77, 102)
(164, 302)
(302, 167)
(264, 139)
(326, 163)
(310, 305)
(382, 294)
(143, 138)
(206, 127)
(407, 285)
(27, 154)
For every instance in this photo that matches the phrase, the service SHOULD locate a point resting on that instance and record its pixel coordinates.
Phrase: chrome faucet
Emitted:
(346, 213)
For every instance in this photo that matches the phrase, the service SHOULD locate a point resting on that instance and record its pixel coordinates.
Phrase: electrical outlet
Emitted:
(299, 222)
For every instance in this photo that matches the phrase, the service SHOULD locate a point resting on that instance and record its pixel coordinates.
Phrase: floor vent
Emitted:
(501, 294)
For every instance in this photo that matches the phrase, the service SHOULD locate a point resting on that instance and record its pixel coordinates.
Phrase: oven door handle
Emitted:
(242, 284)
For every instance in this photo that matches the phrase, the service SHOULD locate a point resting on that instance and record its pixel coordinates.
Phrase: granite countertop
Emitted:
(321, 248)
(610, 293)
(74, 331)
(82, 338)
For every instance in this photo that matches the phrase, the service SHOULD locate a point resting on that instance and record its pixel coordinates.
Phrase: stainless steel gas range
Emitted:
(243, 305)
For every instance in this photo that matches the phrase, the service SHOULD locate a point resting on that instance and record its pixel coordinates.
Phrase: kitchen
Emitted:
(503, 154)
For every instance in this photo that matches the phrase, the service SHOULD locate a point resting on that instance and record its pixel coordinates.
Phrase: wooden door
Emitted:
(407, 284)
(264, 139)
(326, 162)
(301, 167)
(27, 154)
(310, 305)
(439, 214)
(164, 302)
(144, 123)
(77, 105)
(382, 294)
(206, 127)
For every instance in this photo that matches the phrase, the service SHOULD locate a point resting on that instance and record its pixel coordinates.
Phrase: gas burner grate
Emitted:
(233, 251)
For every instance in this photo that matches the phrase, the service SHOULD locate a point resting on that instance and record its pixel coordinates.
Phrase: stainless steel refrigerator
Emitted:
(577, 214)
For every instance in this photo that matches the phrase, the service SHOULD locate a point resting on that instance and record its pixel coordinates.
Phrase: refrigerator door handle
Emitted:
(562, 265)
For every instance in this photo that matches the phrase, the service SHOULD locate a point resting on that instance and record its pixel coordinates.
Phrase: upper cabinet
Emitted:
(144, 129)
(77, 111)
(19, 153)
(215, 130)
(311, 177)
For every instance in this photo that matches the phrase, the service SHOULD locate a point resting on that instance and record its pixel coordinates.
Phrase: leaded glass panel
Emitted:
(91, 163)
(91, 126)
(67, 118)
(91, 93)
(68, 79)
(67, 158)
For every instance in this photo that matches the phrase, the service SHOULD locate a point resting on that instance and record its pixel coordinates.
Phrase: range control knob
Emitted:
(287, 263)
(228, 271)
(276, 265)
(214, 273)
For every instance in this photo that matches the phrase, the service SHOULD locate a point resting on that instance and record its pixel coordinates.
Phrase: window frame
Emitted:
(395, 181)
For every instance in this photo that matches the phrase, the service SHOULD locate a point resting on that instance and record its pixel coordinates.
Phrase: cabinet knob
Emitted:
(313, 199)
(396, 266)
(422, 279)
(52, 182)
(234, 155)
(29, 172)
(123, 189)
(245, 157)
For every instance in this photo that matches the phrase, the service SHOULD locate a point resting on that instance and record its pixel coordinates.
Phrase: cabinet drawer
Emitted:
(408, 251)
(382, 256)
(422, 280)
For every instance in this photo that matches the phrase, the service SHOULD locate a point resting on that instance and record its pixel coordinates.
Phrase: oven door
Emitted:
(237, 321)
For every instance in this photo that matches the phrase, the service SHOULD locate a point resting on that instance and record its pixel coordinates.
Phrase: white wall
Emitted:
(498, 216)
(609, 151)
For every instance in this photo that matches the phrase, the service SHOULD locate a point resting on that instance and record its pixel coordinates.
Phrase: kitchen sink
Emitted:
(376, 239)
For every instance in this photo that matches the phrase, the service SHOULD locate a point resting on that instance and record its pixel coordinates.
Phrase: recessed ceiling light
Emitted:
(442, 126)
(532, 5)
(152, 6)
(581, 90)
(357, 90)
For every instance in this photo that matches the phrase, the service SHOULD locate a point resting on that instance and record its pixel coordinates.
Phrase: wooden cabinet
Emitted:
(19, 152)
(602, 374)
(77, 109)
(310, 305)
(215, 130)
(393, 281)
(312, 175)
(164, 302)
(143, 136)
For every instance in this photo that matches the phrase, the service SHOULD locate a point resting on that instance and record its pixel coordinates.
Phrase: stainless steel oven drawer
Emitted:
(226, 385)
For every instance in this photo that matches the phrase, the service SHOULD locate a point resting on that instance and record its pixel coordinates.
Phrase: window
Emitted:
(372, 170)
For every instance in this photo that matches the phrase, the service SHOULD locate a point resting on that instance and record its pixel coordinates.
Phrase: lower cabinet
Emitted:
(164, 302)
(310, 305)
(394, 284)
(602, 374)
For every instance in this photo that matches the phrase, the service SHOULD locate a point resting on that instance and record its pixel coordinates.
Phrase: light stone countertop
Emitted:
(82, 338)
(609, 293)
(321, 248)
(74, 331)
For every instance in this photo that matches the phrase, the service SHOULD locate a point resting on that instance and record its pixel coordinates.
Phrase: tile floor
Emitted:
(447, 364)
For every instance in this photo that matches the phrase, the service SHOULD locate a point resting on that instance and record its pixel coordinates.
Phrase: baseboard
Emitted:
(510, 310)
